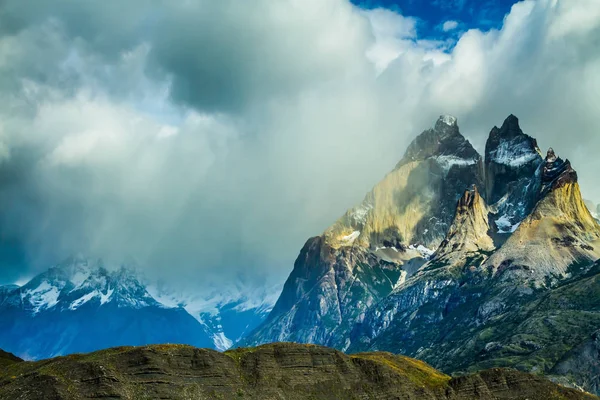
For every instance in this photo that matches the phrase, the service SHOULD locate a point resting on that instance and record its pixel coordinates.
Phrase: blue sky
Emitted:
(481, 14)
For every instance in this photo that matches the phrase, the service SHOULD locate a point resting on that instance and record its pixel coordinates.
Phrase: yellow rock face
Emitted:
(469, 231)
(557, 234)
(391, 210)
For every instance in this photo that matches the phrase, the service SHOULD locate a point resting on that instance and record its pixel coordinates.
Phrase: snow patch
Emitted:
(82, 300)
(513, 155)
(425, 252)
(448, 120)
(351, 237)
(447, 162)
(43, 297)
(105, 298)
(221, 341)
(360, 213)
(505, 226)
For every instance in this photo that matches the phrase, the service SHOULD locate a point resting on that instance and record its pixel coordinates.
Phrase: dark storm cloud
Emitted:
(212, 138)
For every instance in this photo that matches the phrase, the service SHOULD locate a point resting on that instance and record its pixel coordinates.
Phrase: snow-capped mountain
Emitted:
(511, 279)
(81, 305)
(227, 313)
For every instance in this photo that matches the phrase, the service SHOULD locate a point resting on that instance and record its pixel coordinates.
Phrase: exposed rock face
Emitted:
(376, 246)
(328, 291)
(415, 203)
(512, 166)
(470, 230)
(280, 371)
(559, 232)
(501, 289)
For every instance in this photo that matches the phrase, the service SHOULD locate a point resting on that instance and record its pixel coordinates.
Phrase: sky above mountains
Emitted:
(209, 139)
(443, 19)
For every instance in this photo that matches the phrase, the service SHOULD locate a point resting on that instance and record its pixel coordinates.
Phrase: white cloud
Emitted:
(449, 26)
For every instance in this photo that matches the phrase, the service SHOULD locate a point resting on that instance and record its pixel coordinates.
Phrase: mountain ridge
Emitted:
(82, 305)
(490, 256)
(276, 371)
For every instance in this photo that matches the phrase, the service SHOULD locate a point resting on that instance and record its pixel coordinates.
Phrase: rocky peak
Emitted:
(557, 172)
(444, 139)
(558, 233)
(468, 200)
(512, 168)
(510, 127)
(446, 123)
(469, 230)
(550, 156)
(508, 149)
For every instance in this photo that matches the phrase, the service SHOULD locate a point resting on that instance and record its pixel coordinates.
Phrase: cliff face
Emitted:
(414, 204)
(560, 231)
(512, 166)
(470, 231)
(280, 371)
(377, 245)
(454, 263)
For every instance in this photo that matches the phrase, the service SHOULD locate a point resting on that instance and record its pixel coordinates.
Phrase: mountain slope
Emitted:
(480, 308)
(485, 294)
(280, 371)
(80, 306)
(375, 246)
(560, 232)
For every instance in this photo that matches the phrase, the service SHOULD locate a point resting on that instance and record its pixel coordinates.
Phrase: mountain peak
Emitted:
(556, 172)
(511, 126)
(469, 231)
(446, 120)
(551, 155)
(444, 139)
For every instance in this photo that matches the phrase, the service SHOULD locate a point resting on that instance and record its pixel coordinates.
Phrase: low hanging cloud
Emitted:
(208, 139)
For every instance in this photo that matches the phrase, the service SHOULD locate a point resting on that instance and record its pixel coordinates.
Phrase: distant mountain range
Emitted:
(463, 260)
(81, 306)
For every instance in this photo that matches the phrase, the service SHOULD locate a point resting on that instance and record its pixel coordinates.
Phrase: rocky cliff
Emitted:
(455, 259)
(280, 371)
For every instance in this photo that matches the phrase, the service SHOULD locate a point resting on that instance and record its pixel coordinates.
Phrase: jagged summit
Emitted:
(446, 121)
(453, 263)
(557, 172)
(444, 140)
(513, 165)
(469, 231)
(558, 233)
(433, 174)
(510, 127)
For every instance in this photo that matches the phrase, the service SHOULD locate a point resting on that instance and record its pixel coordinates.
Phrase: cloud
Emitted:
(209, 139)
(449, 26)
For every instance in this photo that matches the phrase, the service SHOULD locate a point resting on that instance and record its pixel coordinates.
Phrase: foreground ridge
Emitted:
(274, 371)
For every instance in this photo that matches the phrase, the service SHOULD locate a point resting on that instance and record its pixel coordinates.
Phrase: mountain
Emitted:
(80, 306)
(594, 210)
(377, 245)
(280, 371)
(512, 159)
(226, 313)
(461, 261)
